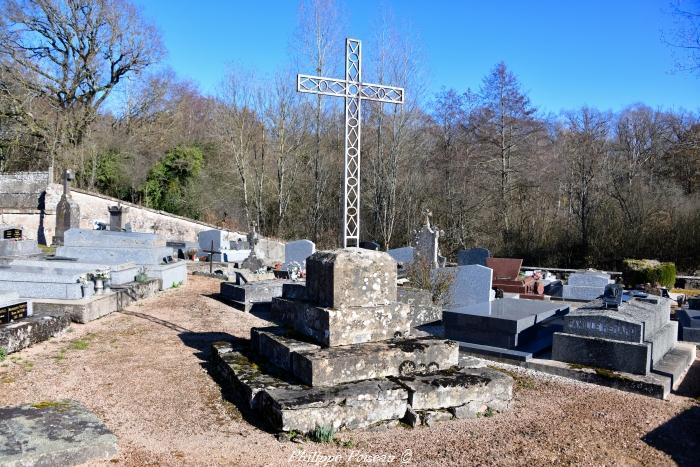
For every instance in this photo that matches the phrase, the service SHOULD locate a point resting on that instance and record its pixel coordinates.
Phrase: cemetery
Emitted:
(240, 276)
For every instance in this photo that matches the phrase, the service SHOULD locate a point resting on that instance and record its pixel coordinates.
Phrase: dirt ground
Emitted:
(144, 371)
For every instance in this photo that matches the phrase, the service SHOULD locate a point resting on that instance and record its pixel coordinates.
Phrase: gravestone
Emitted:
(14, 245)
(612, 296)
(47, 282)
(367, 245)
(67, 211)
(473, 256)
(13, 308)
(689, 324)
(343, 338)
(426, 243)
(470, 284)
(117, 217)
(585, 286)
(252, 262)
(404, 255)
(297, 252)
(506, 275)
(637, 337)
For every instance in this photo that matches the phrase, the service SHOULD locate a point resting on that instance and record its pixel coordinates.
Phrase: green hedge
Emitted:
(648, 271)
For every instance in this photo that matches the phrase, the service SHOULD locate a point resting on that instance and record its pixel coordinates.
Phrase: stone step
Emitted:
(318, 366)
(331, 327)
(663, 340)
(456, 393)
(675, 363)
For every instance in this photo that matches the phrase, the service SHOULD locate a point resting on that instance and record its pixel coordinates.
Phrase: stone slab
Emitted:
(81, 311)
(111, 255)
(353, 325)
(589, 279)
(581, 293)
(53, 433)
(347, 406)
(459, 387)
(422, 308)
(119, 273)
(676, 362)
(694, 303)
(32, 330)
(19, 249)
(317, 366)
(111, 239)
(473, 256)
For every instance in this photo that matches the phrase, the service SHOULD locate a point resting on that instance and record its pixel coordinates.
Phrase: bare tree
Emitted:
(69, 55)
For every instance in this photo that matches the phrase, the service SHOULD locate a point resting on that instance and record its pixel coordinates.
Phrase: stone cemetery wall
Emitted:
(93, 207)
(22, 190)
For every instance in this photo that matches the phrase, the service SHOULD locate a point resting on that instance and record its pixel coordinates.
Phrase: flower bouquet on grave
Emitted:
(295, 271)
(192, 254)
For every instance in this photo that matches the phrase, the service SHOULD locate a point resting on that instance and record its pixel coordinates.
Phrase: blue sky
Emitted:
(605, 54)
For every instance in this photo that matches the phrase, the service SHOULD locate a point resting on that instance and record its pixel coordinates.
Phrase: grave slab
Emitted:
(32, 330)
(258, 295)
(315, 366)
(53, 433)
(119, 273)
(46, 282)
(404, 255)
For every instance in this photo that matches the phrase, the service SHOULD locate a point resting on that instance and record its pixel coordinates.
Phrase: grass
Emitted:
(59, 405)
(79, 344)
(177, 284)
(3, 353)
(489, 412)
(603, 372)
(687, 292)
(49, 250)
(322, 434)
(521, 382)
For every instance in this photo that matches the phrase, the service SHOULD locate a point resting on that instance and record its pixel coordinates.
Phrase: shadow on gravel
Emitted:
(201, 342)
(678, 437)
(690, 386)
(153, 319)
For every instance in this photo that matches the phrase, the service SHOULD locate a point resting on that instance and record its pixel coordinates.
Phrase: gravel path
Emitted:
(144, 372)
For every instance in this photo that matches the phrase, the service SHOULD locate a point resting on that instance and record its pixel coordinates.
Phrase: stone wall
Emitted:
(22, 190)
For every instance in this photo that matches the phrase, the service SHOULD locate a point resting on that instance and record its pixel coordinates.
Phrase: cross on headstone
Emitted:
(67, 177)
(211, 252)
(354, 91)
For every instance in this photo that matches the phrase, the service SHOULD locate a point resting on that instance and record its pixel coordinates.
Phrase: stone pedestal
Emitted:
(117, 216)
(343, 356)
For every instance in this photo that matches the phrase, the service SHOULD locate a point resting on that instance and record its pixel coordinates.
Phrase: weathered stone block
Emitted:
(277, 346)
(247, 295)
(32, 330)
(353, 325)
(422, 308)
(336, 365)
(53, 433)
(351, 277)
(350, 405)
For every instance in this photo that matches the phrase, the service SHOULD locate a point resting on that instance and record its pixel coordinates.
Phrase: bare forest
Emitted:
(81, 87)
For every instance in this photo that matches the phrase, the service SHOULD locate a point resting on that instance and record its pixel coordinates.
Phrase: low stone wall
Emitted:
(22, 190)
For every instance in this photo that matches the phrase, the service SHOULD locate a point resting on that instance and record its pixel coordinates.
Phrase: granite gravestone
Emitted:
(67, 211)
(473, 256)
(470, 284)
(587, 285)
(297, 252)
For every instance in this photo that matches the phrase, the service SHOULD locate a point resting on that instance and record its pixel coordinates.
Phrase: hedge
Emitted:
(648, 271)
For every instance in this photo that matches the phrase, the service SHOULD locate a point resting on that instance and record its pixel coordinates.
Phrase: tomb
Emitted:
(118, 274)
(469, 284)
(228, 251)
(506, 327)
(635, 337)
(689, 321)
(403, 256)
(426, 243)
(422, 309)
(507, 277)
(47, 282)
(117, 218)
(296, 252)
(14, 245)
(67, 210)
(254, 295)
(585, 286)
(146, 250)
(342, 355)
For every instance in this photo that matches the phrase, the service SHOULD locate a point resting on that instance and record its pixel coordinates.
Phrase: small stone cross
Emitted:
(68, 176)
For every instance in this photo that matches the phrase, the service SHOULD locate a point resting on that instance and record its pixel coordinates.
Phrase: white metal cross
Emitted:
(354, 91)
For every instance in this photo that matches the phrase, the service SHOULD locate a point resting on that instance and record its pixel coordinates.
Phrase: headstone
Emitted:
(67, 211)
(404, 255)
(14, 245)
(426, 243)
(473, 256)
(470, 284)
(506, 276)
(585, 286)
(252, 262)
(297, 252)
(12, 308)
(117, 215)
(370, 246)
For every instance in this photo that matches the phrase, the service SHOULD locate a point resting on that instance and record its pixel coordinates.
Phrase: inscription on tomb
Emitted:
(14, 312)
(604, 328)
(12, 234)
